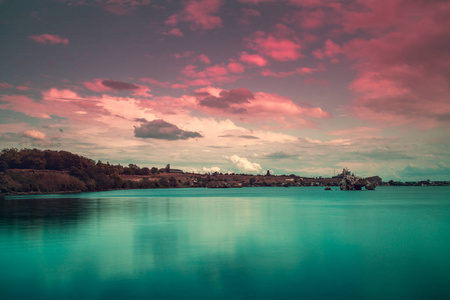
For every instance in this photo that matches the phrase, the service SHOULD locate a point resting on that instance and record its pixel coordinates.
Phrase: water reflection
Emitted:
(245, 246)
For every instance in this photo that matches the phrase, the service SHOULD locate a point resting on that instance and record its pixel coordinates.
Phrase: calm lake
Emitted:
(248, 243)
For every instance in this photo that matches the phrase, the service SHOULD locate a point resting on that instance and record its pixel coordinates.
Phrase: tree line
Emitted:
(76, 173)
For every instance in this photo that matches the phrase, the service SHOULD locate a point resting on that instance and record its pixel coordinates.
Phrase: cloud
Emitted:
(119, 85)
(280, 44)
(431, 172)
(208, 170)
(34, 134)
(201, 14)
(236, 96)
(248, 137)
(117, 7)
(244, 165)
(245, 136)
(207, 76)
(253, 59)
(102, 85)
(329, 50)
(204, 58)
(248, 13)
(49, 39)
(256, 1)
(5, 85)
(175, 32)
(234, 67)
(262, 108)
(402, 67)
(358, 131)
(280, 155)
(386, 154)
(160, 129)
(298, 71)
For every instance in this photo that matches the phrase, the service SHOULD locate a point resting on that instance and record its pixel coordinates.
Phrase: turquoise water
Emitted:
(249, 243)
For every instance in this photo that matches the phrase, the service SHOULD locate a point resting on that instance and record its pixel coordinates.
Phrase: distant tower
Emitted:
(268, 173)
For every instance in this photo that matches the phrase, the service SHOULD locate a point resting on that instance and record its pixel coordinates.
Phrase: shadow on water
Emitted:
(32, 213)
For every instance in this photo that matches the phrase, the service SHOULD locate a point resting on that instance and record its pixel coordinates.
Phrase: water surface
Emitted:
(249, 243)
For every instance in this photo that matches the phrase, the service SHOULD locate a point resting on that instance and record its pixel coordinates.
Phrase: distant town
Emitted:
(34, 171)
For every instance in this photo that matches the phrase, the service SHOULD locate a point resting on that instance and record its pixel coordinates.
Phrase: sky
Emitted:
(303, 87)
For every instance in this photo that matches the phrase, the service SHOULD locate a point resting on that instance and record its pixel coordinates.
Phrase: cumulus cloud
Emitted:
(281, 44)
(34, 134)
(160, 129)
(49, 39)
(235, 67)
(253, 59)
(244, 165)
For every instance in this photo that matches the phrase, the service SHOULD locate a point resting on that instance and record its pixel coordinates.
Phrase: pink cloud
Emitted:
(311, 3)
(276, 45)
(178, 86)
(63, 103)
(142, 91)
(248, 13)
(235, 67)
(216, 71)
(402, 69)
(5, 85)
(191, 56)
(329, 50)
(23, 88)
(298, 71)
(191, 71)
(183, 55)
(96, 86)
(263, 108)
(198, 82)
(213, 74)
(253, 59)
(108, 85)
(204, 58)
(311, 19)
(175, 32)
(202, 14)
(49, 39)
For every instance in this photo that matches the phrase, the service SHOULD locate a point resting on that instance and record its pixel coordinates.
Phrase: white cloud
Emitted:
(244, 165)
(34, 134)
